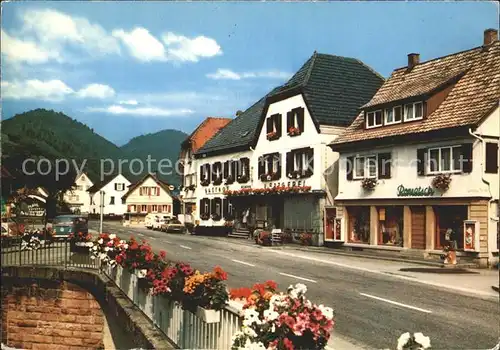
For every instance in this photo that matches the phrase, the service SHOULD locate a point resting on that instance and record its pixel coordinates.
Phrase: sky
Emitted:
(131, 68)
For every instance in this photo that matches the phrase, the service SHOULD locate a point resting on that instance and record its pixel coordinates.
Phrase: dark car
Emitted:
(173, 225)
(65, 225)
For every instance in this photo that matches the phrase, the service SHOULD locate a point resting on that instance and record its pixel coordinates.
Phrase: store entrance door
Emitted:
(418, 227)
(329, 218)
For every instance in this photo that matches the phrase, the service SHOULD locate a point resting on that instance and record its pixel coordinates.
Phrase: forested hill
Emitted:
(55, 135)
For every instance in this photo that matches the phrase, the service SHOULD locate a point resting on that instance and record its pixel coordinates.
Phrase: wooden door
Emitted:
(329, 218)
(418, 227)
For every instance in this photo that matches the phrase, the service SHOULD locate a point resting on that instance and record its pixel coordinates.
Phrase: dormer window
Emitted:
(393, 115)
(414, 111)
(374, 119)
(273, 127)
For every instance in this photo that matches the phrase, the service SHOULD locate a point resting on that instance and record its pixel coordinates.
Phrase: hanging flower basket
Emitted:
(369, 184)
(442, 182)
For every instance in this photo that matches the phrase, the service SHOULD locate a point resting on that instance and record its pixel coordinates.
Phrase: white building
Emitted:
(78, 199)
(408, 141)
(271, 166)
(114, 187)
(148, 195)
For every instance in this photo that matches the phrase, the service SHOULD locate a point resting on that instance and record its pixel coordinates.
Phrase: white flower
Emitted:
(141, 273)
(125, 246)
(422, 340)
(90, 244)
(250, 345)
(42, 242)
(270, 315)
(236, 336)
(403, 339)
(102, 256)
(100, 241)
(249, 331)
(113, 236)
(107, 249)
(326, 311)
(121, 241)
(301, 288)
(92, 257)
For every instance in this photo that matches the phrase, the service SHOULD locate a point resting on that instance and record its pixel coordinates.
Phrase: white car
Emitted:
(160, 220)
(150, 220)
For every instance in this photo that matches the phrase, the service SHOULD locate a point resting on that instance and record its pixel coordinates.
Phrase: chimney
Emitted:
(490, 36)
(413, 60)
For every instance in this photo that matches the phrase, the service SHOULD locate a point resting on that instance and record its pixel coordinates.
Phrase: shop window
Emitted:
(450, 225)
(359, 224)
(390, 225)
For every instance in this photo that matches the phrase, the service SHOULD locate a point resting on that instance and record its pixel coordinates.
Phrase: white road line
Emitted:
(153, 238)
(297, 277)
(242, 262)
(185, 247)
(406, 278)
(396, 303)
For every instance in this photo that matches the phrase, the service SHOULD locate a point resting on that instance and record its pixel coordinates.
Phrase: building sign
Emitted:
(216, 190)
(415, 191)
(285, 184)
(31, 207)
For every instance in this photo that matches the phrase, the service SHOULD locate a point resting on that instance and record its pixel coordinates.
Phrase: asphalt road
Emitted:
(372, 310)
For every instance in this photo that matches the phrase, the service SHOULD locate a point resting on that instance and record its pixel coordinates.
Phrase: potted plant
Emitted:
(306, 238)
(369, 184)
(207, 294)
(293, 131)
(442, 182)
(273, 135)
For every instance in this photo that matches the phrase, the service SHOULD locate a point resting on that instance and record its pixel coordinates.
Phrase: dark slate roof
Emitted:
(334, 88)
(100, 184)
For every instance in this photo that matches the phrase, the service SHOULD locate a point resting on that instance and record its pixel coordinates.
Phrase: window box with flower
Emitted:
(442, 182)
(229, 180)
(369, 184)
(294, 131)
(204, 216)
(243, 178)
(271, 136)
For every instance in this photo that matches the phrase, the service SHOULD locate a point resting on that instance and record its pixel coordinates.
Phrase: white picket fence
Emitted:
(182, 327)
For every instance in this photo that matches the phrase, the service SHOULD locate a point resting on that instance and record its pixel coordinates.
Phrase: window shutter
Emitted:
(116, 186)
(289, 120)
(201, 173)
(202, 206)
(384, 166)
(233, 165)
(269, 161)
(467, 156)
(262, 166)
(224, 208)
(277, 123)
(310, 161)
(159, 208)
(278, 170)
(245, 164)
(209, 173)
(149, 209)
(212, 206)
(269, 125)
(226, 169)
(349, 167)
(421, 161)
(289, 162)
(491, 158)
(300, 119)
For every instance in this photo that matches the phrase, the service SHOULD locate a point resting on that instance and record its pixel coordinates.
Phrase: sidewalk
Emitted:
(477, 282)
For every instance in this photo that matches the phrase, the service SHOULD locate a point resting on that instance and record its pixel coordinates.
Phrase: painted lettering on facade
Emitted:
(415, 191)
(285, 184)
(216, 190)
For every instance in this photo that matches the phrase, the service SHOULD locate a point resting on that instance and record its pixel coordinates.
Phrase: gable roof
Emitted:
(474, 79)
(333, 86)
(160, 183)
(208, 128)
(100, 184)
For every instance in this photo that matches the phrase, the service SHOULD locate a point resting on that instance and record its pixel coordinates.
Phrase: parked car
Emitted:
(65, 225)
(160, 220)
(149, 220)
(173, 225)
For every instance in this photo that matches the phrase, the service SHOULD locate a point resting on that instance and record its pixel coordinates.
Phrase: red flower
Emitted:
(288, 344)
(163, 254)
(271, 285)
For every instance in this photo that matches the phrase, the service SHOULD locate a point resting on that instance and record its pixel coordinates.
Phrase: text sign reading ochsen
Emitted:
(415, 191)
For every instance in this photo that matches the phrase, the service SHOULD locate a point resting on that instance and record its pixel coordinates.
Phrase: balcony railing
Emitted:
(182, 327)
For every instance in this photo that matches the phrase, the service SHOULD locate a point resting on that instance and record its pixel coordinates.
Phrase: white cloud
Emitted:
(96, 91)
(50, 90)
(142, 111)
(181, 48)
(17, 50)
(141, 44)
(227, 74)
(129, 102)
(52, 28)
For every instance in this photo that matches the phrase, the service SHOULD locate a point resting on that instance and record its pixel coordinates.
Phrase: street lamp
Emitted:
(101, 206)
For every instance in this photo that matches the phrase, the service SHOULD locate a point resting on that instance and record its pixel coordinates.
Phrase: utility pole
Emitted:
(101, 194)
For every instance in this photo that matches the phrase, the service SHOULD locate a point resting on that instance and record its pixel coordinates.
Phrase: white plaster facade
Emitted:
(78, 198)
(149, 197)
(113, 193)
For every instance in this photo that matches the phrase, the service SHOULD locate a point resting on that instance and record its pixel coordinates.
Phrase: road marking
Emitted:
(396, 303)
(242, 262)
(153, 238)
(297, 277)
(488, 295)
(185, 247)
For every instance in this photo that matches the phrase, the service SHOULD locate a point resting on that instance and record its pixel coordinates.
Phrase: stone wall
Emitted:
(50, 314)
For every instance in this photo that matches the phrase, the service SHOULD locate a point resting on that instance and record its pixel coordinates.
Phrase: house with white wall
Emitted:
(271, 166)
(188, 169)
(114, 187)
(419, 165)
(77, 198)
(148, 195)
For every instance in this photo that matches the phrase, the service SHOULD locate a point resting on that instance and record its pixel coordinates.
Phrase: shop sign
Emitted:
(216, 190)
(285, 184)
(415, 191)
